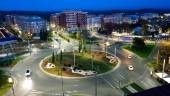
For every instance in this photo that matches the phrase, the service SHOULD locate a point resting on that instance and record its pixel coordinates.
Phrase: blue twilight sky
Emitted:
(51, 5)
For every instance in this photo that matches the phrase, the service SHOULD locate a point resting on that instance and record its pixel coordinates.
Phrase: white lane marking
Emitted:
(75, 91)
(122, 76)
(108, 82)
(75, 85)
(68, 92)
(131, 89)
(33, 92)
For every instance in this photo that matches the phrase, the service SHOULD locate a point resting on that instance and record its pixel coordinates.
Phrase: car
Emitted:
(129, 56)
(28, 73)
(130, 67)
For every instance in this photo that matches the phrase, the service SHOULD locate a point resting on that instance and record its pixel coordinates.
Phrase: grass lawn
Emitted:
(11, 62)
(83, 61)
(4, 89)
(142, 53)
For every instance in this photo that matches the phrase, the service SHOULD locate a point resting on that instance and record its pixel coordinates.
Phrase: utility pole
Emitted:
(158, 57)
(115, 49)
(74, 58)
(62, 82)
(95, 75)
(169, 60)
(91, 54)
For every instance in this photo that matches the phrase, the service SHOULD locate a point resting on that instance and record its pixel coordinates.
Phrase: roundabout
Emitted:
(79, 64)
(105, 83)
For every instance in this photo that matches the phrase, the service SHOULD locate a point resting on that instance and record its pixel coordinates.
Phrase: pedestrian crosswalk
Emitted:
(132, 88)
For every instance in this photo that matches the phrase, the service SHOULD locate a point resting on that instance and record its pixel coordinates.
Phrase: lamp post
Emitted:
(115, 49)
(10, 80)
(169, 60)
(92, 54)
(62, 82)
(95, 77)
(29, 35)
(163, 69)
(74, 58)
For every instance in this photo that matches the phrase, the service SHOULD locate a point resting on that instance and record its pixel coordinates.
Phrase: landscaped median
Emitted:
(78, 64)
(145, 52)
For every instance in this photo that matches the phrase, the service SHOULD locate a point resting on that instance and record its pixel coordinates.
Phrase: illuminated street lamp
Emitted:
(53, 25)
(74, 58)
(29, 35)
(107, 44)
(10, 80)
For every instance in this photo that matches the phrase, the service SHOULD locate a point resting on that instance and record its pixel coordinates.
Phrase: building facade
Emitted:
(31, 24)
(73, 20)
(94, 22)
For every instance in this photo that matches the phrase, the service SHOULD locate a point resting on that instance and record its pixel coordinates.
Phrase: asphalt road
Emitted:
(41, 84)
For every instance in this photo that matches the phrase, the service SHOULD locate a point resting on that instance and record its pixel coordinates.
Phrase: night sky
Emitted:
(55, 5)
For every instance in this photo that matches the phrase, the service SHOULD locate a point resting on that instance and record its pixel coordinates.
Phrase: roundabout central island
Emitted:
(78, 64)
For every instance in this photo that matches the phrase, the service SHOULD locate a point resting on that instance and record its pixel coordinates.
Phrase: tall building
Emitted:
(11, 19)
(32, 24)
(73, 20)
(147, 16)
(54, 20)
(108, 19)
(94, 22)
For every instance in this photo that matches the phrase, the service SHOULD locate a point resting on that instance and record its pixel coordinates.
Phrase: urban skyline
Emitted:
(84, 48)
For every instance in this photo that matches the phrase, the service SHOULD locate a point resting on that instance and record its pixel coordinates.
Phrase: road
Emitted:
(109, 84)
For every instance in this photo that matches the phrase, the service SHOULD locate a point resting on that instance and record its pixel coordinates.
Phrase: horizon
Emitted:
(95, 5)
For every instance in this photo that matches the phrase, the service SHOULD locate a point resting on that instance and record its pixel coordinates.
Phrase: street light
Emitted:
(74, 57)
(10, 80)
(163, 69)
(29, 35)
(92, 56)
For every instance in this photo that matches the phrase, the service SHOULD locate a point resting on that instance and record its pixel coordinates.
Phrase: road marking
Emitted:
(108, 82)
(75, 91)
(130, 88)
(68, 92)
(122, 76)
(75, 85)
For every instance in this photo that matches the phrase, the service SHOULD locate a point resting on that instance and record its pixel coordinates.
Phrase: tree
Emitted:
(80, 46)
(3, 78)
(106, 29)
(61, 56)
(84, 44)
(138, 43)
(164, 52)
(44, 34)
(145, 30)
(78, 35)
(53, 58)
